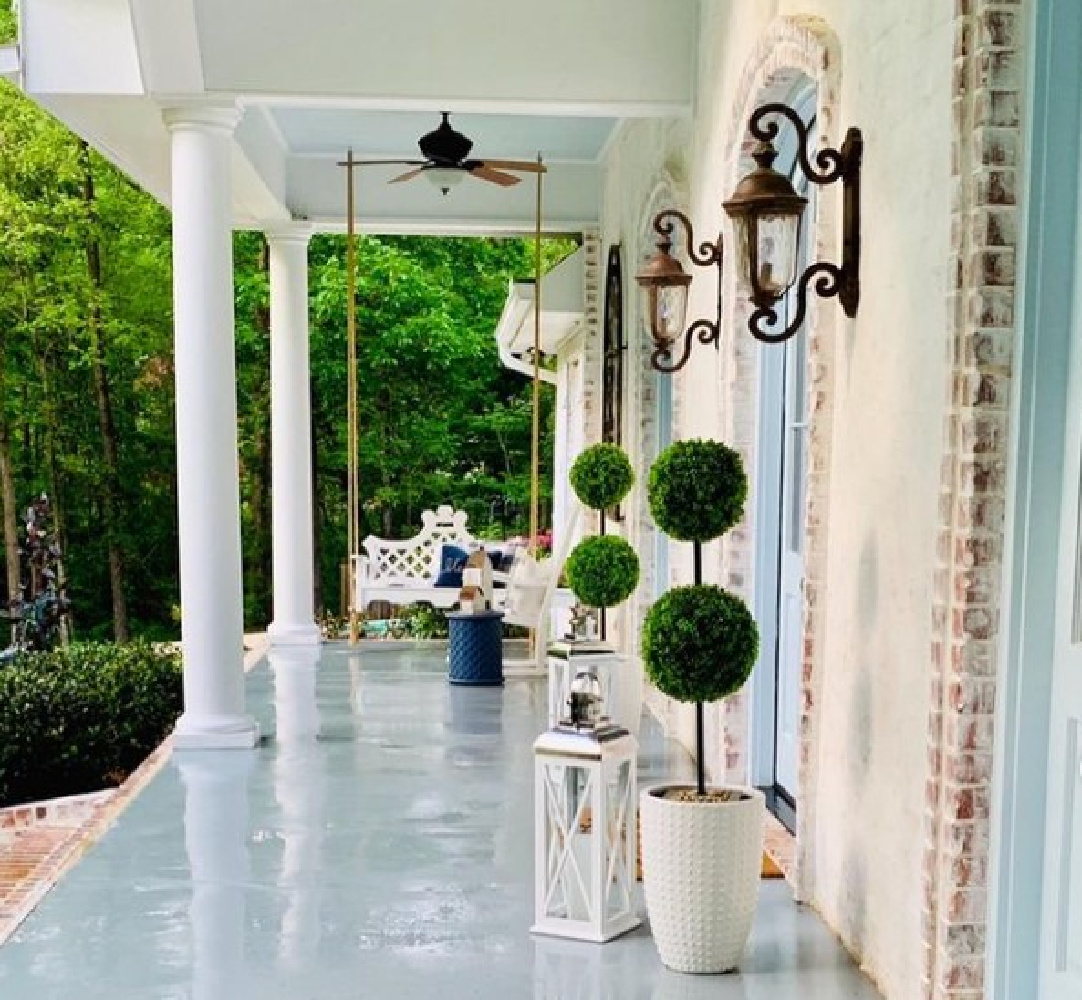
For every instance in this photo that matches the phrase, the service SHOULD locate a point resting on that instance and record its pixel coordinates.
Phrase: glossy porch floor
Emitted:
(379, 845)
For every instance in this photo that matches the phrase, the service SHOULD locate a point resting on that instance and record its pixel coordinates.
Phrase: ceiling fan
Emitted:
(445, 162)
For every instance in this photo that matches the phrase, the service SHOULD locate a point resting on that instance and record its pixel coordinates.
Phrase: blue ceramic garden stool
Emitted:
(475, 648)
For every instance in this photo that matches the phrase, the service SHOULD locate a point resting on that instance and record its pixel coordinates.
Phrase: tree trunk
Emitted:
(102, 393)
(10, 509)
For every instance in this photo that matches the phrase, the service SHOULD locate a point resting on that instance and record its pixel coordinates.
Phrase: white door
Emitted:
(1061, 938)
(791, 569)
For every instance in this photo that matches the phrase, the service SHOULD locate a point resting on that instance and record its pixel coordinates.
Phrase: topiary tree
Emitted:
(603, 571)
(699, 643)
(601, 476)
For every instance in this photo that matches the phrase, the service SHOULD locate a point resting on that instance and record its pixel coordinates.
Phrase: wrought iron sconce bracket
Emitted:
(828, 166)
(706, 255)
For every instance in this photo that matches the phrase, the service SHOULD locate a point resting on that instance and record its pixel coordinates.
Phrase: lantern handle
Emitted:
(830, 164)
(661, 359)
(828, 282)
(708, 255)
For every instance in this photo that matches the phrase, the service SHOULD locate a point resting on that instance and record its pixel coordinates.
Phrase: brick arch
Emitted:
(665, 192)
(790, 49)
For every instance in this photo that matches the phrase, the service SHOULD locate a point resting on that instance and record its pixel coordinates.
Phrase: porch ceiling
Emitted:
(521, 78)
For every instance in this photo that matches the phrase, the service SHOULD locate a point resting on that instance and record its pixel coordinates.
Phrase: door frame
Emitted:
(769, 518)
(1051, 258)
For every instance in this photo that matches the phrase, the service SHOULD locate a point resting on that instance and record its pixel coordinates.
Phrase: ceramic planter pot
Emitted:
(701, 862)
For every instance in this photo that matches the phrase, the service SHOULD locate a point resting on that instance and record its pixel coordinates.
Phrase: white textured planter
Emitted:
(701, 862)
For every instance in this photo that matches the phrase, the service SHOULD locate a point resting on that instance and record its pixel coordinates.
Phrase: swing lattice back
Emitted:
(417, 559)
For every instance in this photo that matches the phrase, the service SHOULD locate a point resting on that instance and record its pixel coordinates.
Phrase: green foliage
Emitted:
(425, 622)
(699, 643)
(83, 717)
(697, 490)
(602, 476)
(603, 571)
(441, 420)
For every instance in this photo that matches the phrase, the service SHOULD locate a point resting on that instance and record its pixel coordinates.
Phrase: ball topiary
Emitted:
(697, 490)
(602, 476)
(602, 571)
(699, 643)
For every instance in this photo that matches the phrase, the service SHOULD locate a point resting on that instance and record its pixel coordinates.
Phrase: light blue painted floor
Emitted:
(380, 845)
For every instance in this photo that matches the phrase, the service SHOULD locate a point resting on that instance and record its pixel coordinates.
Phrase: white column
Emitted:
(212, 607)
(291, 439)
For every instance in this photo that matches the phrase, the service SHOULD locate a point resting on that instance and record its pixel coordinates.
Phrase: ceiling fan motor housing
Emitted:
(445, 145)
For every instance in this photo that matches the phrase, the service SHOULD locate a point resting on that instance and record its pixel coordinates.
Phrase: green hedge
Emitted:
(83, 717)
(601, 476)
(700, 643)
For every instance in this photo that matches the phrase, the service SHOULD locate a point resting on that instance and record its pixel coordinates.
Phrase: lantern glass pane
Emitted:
(778, 244)
(672, 307)
(744, 247)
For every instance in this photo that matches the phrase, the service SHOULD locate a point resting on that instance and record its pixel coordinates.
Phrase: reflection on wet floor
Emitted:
(378, 844)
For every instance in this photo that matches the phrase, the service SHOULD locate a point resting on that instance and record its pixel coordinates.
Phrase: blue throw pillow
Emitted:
(452, 557)
(452, 562)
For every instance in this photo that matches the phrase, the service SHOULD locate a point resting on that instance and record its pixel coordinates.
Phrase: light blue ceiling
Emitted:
(325, 132)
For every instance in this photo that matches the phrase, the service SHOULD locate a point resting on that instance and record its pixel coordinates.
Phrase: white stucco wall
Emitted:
(885, 441)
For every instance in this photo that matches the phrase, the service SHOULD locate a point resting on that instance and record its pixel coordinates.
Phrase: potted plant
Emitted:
(603, 570)
(701, 846)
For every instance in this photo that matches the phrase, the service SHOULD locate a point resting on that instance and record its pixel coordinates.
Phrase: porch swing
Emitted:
(407, 571)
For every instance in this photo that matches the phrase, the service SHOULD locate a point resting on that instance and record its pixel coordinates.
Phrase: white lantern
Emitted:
(586, 836)
(567, 659)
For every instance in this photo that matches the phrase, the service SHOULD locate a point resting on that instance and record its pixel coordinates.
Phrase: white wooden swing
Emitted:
(405, 571)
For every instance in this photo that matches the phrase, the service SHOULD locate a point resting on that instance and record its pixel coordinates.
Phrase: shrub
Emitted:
(601, 476)
(602, 570)
(697, 490)
(699, 643)
(83, 717)
(425, 622)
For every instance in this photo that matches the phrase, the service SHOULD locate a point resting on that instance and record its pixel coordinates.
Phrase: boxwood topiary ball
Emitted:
(699, 643)
(697, 490)
(602, 571)
(601, 476)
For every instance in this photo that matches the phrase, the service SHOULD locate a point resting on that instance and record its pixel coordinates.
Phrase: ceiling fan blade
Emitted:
(525, 166)
(375, 163)
(486, 173)
(407, 176)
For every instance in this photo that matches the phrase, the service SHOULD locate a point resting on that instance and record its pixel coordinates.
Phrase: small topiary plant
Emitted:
(603, 571)
(699, 643)
(697, 490)
(602, 476)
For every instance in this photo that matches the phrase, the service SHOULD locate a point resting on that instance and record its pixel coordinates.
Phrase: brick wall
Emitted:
(966, 612)
(791, 48)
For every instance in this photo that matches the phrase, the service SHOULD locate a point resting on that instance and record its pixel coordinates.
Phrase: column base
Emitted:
(215, 732)
(294, 635)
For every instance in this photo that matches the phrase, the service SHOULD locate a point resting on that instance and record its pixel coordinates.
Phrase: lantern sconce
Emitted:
(767, 213)
(666, 284)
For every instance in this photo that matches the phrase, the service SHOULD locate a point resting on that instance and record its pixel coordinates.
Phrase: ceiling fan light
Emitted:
(443, 179)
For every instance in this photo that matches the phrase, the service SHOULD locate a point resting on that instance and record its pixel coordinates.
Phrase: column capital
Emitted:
(215, 117)
(295, 231)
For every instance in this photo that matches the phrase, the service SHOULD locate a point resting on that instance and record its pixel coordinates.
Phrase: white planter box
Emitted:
(702, 862)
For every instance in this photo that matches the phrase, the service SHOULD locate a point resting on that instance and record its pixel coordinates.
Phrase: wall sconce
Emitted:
(767, 214)
(666, 283)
